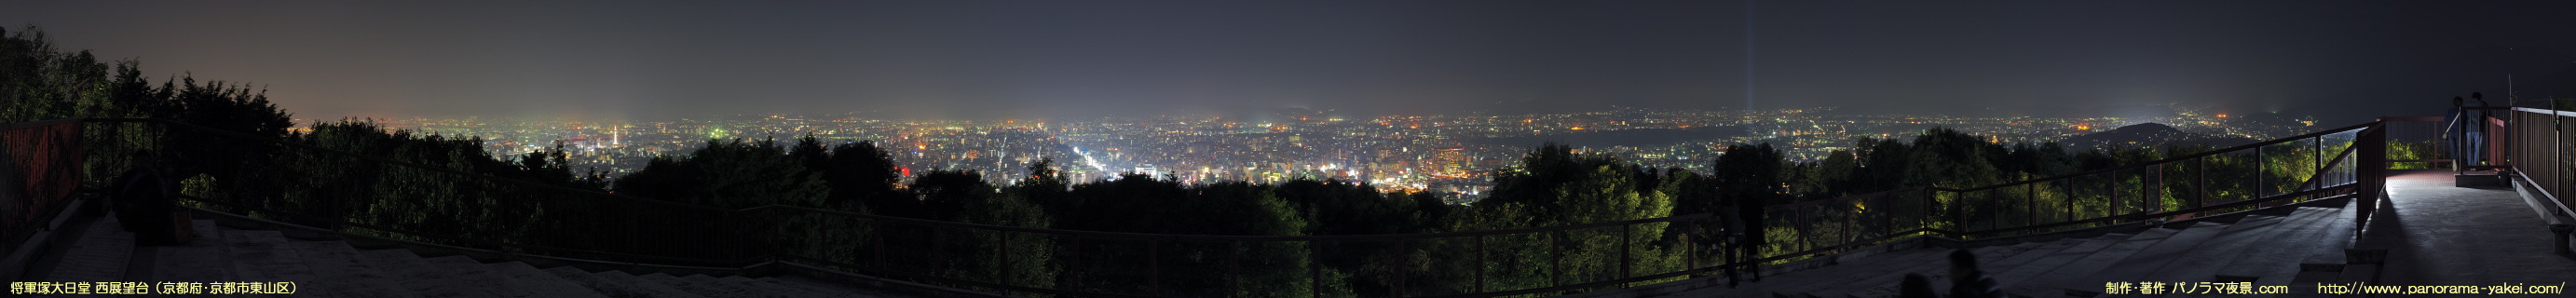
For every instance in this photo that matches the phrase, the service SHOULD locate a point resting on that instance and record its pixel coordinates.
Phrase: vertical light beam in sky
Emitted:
(1748, 66)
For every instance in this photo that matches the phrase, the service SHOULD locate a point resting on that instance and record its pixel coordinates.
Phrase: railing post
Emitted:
(1154, 266)
(1804, 241)
(2451, 145)
(1073, 268)
(733, 247)
(1480, 263)
(1003, 254)
(1623, 252)
(2114, 189)
(1850, 231)
(880, 227)
(1314, 269)
(2507, 143)
(1234, 269)
(634, 242)
(2200, 181)
(2374, 171)
(1555, 258)
(1957, 222)
(1404, 261)
(933, 248)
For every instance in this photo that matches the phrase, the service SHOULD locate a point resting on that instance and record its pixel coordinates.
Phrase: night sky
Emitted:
(2340, 61)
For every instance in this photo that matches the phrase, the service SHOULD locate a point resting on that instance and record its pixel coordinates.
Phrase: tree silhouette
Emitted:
(731, 175)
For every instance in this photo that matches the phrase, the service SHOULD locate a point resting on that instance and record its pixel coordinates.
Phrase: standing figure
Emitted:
(1748, 235)
(1749, 176)
(2478, 129)
(1730, 240)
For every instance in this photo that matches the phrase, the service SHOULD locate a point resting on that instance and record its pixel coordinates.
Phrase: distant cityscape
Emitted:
(1449, 155)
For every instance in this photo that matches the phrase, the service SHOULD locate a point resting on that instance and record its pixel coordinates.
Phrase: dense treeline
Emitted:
(535, 199)
(1551, 186)
(40, 82)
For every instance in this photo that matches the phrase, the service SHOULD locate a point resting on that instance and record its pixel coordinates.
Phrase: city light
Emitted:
(1465, 148)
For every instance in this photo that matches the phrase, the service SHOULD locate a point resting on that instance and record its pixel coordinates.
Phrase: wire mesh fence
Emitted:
(40, 170)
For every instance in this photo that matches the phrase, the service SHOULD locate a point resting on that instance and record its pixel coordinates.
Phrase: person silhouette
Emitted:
(1730, 237)
(2479, 127)
(2468, 127)
(1916, 286)
(1749, 235)
(144, 201)
(1966, 281)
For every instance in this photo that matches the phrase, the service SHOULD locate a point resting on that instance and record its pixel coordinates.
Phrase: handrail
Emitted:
(347, 154)
(2547, 112)
(346, 222)
(2553, 185)
(1830, 249)
(2167, 160)
(2308, 188)
(38, 123)
(2322, 169)
(2220, 206)
(1846, 198)
(2411, 119)
(2138, 165)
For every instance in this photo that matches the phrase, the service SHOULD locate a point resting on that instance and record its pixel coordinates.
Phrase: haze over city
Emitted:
(2340, 62)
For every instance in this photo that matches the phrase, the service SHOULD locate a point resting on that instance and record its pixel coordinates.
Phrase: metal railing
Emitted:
(2334, 162)
(2418, 142)
(325, 184)
(348, 186)
(1087, 263)
(2535, 149)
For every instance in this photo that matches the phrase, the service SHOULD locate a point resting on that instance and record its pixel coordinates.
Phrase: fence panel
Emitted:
(1519, 261)
(1592, 254)
(2539, 142)
(1199, 268)
(42, 168)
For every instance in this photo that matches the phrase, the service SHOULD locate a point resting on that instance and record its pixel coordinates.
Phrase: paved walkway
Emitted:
(105, 252)
(2440, 235)
(99, 254)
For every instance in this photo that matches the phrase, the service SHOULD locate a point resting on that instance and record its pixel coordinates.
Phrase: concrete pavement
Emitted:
(2440, 235)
